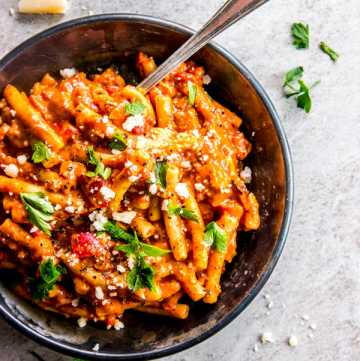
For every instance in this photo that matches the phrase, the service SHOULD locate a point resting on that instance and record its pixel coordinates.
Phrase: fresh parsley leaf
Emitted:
(215, 236)
(39, 210)
(153, 251)
(49, 275)
(117, 232)
(300, 33)
(118, 142)
(100, 168)
(134, 108)
(192, 90)
(141, 276)
(327, 50)
(160, 173)
(40, 152)
(293, 75)
(174, 210)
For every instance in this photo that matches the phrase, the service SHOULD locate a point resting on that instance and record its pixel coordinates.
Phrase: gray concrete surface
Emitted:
(319, 273)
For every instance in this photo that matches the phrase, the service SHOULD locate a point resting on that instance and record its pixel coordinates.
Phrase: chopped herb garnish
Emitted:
(40, 152)
(39, 210)
(160, 173)
(117, 232)
(327, 50)
(175, 210)
(300, 33)
(141, 276)
(294, 86)
(215, 236)
(49, 275)
(118, 142)
(100, 168)
(134, 108)
(192, 90)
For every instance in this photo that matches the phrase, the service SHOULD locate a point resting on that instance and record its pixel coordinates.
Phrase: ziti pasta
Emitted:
(116, 200)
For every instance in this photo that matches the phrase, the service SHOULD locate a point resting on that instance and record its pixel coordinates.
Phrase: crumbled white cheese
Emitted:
(185, 164)
(21, 159)
(133, 121)
(11, 11)
(91, 12)
(293, 341)
(68, 72)
(96, 348)
(115, 151)
(75, 302)
(173, 156)
(107, 193)
(118, 325)
(33, 229)
(199, 187)
(105, 119)
(82, 321)
(131, 262)
(206, 79)
(182, 190)
(124, 217)
(11, 170)
(305, 317)
(57, 207)
(270, 305)
(246, 175)
(69, 209)
(153, 188)
(120, 268)
(134, 178)
(109, 131)
(256, 348)
(99, 294)
(98, 220)
(266, 337)
(128, 164)
(13, 113)
(164, 205)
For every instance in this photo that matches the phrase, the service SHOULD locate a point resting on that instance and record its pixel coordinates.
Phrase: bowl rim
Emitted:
(289, 194)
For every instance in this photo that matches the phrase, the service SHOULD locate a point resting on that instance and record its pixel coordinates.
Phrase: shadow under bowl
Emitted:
(114, 39)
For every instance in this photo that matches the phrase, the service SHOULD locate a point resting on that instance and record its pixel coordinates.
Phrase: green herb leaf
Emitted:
(174, 210)
(293, 75)
(327, 50)
(192, 90)
(40, 152)
(141, 276)
(117, 232)
(134, 108)
(118, 142)
(160, 173)
(39, 210)
(300, 33)
(100, 168)
(153, 251)
(49, 275)
(215, 236)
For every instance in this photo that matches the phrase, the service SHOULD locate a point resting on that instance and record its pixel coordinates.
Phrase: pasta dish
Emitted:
(114, 199)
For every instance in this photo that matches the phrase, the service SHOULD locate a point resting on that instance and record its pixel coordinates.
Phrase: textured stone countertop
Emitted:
(315, 288)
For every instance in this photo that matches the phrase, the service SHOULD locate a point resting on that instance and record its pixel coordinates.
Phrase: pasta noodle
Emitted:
(114, 199)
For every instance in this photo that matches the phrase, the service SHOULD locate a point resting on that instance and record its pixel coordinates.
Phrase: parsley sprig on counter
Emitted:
(327, 50)
(39, 210)
(100, 168)
(294, 86)
(175, 210)
(300, 33)
(49, 275)
(142, 274)
(41, 152)
(216, 237)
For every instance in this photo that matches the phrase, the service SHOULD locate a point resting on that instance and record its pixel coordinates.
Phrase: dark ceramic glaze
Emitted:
(104, 39)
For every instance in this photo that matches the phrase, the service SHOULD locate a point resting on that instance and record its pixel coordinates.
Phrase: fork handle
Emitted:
(228, 14)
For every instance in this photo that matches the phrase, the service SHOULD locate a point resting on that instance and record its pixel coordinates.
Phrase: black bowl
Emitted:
(101, 40)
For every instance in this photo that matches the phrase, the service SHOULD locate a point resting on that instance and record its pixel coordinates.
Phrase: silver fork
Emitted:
(228, 14)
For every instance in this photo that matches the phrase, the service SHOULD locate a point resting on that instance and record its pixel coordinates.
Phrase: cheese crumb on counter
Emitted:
(266, 337)
(42, 6)
(124, 217)
(293, 341)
